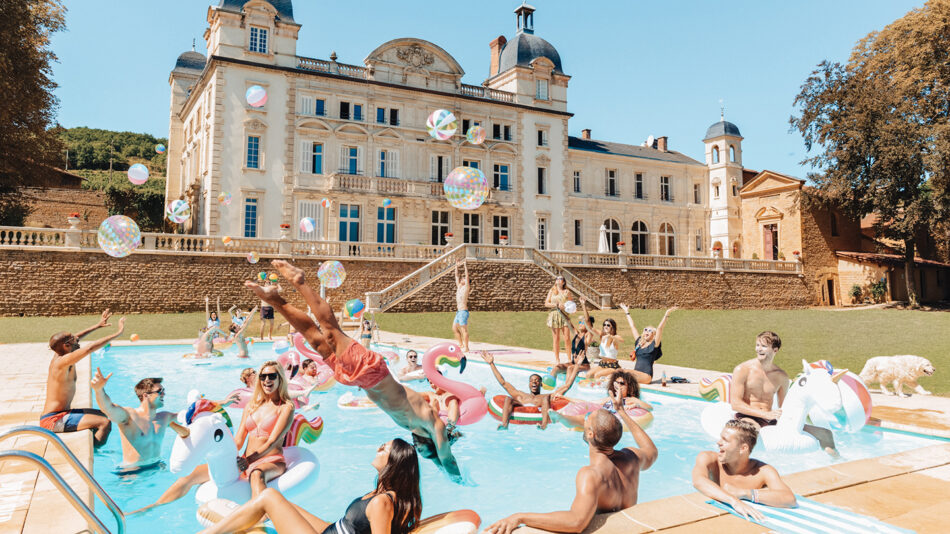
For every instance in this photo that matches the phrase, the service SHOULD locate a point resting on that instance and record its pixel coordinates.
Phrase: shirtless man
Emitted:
(517, 397)
(462, 290)
(732, 477)
(412, 366)
(608, 484)
(756, 382)
(58, 414)
(142, 428)
(206, 341)
(355, 365)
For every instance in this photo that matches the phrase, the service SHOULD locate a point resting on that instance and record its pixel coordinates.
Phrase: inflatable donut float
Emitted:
(640, 415)
(457, 522)
(194, 355)
(349, 401)
(522, 415)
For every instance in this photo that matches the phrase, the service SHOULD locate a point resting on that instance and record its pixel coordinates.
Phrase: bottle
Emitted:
(663, 379)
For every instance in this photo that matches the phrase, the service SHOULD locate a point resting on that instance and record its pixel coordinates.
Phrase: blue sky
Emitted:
(638, 67)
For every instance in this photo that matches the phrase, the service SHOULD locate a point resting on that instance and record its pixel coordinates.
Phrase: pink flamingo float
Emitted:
(472, 403)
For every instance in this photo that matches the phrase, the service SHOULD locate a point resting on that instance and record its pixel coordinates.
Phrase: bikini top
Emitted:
(263, 430)
(605, 351)
(354, 520)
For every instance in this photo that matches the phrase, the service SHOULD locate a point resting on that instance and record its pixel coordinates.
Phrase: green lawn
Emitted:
(694, 338)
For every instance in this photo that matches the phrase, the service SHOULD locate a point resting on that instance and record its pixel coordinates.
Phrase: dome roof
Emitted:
(721, 128)
(285, 8)
(191, 60)
(525, 48)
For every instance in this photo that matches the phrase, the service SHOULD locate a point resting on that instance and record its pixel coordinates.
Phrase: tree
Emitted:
(880, 128)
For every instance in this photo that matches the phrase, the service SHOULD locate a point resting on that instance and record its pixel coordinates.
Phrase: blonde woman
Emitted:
(558, 321)
(266, 419)
(647, 349)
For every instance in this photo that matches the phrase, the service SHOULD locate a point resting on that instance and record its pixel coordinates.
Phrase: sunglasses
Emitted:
(160, 392)
(620, 383)
(268, 376)
(411, 357)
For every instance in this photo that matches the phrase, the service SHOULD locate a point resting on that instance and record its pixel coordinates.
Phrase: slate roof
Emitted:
(191, 60)
(632, 151)
(285, 8)
(525, 48)
(721, 128)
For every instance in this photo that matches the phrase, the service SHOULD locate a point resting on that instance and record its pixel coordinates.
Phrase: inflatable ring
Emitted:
(640, 415)
(222, 343)
(349, 401)
(418, 374)
(457, 522)
(521, 415)
(717, 389)
(194, 355)
(212, 512)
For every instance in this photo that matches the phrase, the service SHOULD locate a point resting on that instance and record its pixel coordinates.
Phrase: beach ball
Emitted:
(256, 96)
(476, 135)
(119, 236)
(570, 306)
(354, 308)
(272, 277)
(253, 257)
(178, 211)
(331, 274)
(262, 276)
(441, 124)
(387, 202)
(466, 188)
(226, 240)
(138, 174)
(281, 346)
(325, 203)
(224, 198)
(133, 338)
(160, 148)
(855, 403)
(307, 225)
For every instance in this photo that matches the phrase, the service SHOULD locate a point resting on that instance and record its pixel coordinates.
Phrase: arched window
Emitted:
(732, 153)
(667, 240)
(715, 154)
(613, 234)
(639, 238)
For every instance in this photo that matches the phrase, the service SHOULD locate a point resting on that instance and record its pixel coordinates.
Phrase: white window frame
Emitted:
(314, 209)
(260, 151)
(473, 163)
(260, 46)
(497, 229)
(468, 228)
(639, 236)
(610, 177)
(497, 174)
(254, 200)
(699, 240)
(385, 223)
(542, 181)
(666, 188)
(434, 167)
(697, 194)
(439, 226)
(577, 181)
(348, 221)
(387, 163)
(667, 239)
(639, 187)
(541, 92)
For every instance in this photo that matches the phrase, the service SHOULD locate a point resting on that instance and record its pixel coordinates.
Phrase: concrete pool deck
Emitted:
(909, 489)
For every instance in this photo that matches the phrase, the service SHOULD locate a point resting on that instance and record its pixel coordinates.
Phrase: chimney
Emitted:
(585, 133)
(496, 45)
(661, 143)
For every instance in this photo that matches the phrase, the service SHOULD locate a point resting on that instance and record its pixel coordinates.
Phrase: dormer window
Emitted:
(258, 40)
(542, 90)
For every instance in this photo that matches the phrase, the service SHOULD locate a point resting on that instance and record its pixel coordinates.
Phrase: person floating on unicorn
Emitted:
(756, 382)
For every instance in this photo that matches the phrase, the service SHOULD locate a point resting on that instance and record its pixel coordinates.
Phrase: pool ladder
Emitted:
(57, 479)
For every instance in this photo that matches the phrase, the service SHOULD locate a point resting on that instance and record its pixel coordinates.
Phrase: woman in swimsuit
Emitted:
(647, 349)
(266, 419)
(237, 335)
(213, 318)
(394, 506)
(366, 333)
(609, 347)
(579, 343)
(558, 321)
(623, 384)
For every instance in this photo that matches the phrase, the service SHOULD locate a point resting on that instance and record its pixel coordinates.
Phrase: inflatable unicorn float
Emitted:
(830, 398)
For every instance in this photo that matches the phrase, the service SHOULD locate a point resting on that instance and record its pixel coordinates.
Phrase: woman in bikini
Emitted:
(609, 347)
(237, 335)
(647, 349)
(366, 333)
(558, 321)
(266, 419)
(582, 339)
(622, 384)
(394, 506)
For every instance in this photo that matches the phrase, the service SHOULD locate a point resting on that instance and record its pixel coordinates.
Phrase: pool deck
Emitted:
(909, 489)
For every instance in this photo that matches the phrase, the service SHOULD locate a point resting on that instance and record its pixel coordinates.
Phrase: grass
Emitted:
(708, 339)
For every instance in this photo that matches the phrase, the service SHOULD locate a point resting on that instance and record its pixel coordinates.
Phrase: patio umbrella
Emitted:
(603, 247)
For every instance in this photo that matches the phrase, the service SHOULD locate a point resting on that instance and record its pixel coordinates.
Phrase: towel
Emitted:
(812, 517)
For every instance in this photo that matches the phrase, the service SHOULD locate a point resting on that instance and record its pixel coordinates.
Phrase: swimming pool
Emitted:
(522, 469)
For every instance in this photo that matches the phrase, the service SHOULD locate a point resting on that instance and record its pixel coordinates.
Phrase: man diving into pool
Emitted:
(609, 483)
(355, 365)
(517, 397)
(58, 414)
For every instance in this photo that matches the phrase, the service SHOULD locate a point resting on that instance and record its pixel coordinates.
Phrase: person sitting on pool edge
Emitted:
(608, 484)
(731, 476)
(354, 365)
(58, 414)
(518, 398)
(647, 348)
(582, 339)
(756, 382)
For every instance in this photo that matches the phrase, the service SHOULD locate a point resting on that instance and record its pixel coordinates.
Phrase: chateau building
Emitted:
(356, 135)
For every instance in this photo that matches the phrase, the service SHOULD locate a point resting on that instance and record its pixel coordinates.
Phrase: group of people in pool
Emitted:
(608, 483)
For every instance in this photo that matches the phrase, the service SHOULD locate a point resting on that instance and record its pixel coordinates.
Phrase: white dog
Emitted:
(898, 370)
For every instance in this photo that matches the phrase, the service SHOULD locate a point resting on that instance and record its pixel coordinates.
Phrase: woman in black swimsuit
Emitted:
(395, 506)
(647, 349)
(579, 343)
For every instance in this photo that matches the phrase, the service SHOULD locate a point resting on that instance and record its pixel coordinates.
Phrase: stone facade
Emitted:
(67, 283)
(51, 206)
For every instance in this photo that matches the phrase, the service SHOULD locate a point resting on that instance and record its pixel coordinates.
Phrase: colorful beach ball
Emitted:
(224, 198)
(441, 124)
(325, 202)
(159, 149)
(307, 225)
(138, 174)
(476, 135)
(256, 96)
(466, 188)
(178, 211)
(226, 240)
(354, 308)
(262, 276)
(331, 274)
(253, 257)
(272, 277)
(387, 202)
(119, 236)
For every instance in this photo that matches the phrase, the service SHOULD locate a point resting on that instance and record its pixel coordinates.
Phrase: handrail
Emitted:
(61, 485)
(414, 281)
(74, 462)
(547, 264)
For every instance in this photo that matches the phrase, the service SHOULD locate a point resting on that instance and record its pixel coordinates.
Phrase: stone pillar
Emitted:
(73, 233)
(284, 247)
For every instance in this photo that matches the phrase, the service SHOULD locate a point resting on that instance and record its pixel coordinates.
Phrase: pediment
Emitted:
(255, 124)
(414, 55)
(542, 160)
(502, 148)
(768, 181)
(388, 133)
(768, 212)
(314, 124)
(352, 129)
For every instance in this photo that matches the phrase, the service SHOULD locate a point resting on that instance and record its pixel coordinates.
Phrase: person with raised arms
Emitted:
(462, 290)
(533, 397)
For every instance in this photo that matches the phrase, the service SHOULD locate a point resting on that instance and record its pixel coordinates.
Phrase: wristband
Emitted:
(755, 496)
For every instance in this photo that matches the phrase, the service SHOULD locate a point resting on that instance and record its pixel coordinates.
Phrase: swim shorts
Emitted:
(267, 312)
(461, 317)
(66, 421)
(358, 366)
(758, 420)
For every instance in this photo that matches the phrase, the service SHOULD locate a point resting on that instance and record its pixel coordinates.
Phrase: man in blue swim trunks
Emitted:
(58, 414)
(460, 324)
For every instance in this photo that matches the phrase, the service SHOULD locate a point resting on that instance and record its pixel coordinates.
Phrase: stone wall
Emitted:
(51, 206)
(65, 283)
(818, 252)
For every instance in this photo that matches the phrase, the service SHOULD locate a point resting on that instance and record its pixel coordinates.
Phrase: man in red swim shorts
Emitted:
(355, 365)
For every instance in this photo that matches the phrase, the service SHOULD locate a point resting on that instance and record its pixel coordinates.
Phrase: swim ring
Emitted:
(457, 522)
(194, 355)
(222, 343)
(349, 401)
(640, 415)
(418, 374)
(522, 415)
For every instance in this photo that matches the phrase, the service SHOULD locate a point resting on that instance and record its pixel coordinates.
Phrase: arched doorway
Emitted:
(613, 233)
(667, 240)
(639, 238)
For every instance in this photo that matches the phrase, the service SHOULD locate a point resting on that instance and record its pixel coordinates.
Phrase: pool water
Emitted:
(518, 470)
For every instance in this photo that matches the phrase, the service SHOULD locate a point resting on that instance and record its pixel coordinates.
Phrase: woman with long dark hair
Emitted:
(394, 506)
